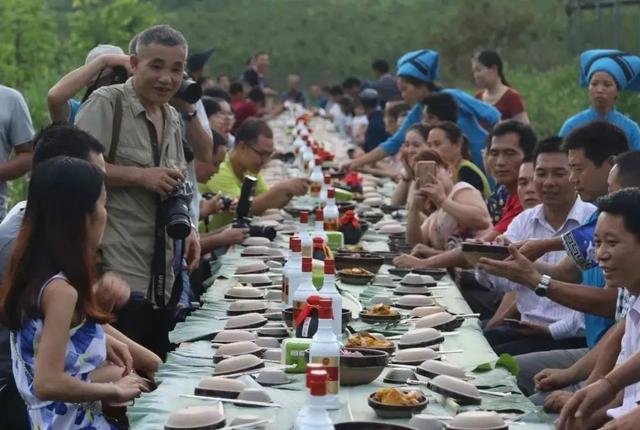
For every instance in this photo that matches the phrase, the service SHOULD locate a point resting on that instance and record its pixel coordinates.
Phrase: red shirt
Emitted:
(510, 104)
(512, 209)
(243, 110)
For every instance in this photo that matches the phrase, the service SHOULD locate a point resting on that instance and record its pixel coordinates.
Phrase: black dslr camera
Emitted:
(190, 91)
(175, 211)
(244, 206)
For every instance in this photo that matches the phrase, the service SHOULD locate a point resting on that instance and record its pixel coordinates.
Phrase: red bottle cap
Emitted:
(318, 382)
(326, 311)
(331, 193)
(304, 217)
(295, 244)
(314, 300)
(318, 161)
(329, 267)
(319, 214)
(318, 242)
(310, 368)
(307, 264)
(327, 179)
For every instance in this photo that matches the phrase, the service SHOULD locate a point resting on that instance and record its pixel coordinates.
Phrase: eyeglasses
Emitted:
(264, 155)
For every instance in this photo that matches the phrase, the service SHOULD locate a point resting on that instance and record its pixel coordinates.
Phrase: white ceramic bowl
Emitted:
(195, 417)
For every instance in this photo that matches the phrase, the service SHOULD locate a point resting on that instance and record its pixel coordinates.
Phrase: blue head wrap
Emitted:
(623, 68)
(422, 65)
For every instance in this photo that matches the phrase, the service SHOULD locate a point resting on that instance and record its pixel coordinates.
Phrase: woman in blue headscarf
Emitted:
(417, 71)
(606, 72)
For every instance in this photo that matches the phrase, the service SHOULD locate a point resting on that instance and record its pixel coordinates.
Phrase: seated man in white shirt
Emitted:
(535, 323)
(616, 394)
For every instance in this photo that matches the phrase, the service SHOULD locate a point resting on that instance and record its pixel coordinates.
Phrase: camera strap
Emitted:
(158, 261)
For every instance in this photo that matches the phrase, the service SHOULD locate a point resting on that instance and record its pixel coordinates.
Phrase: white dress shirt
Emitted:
(531, 224)
(630, 345)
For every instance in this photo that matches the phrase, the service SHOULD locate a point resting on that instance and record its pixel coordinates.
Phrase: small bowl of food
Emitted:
(436, 274)
(360, 366)
(473, 252)
(397, 403)
(363, 260)
(366, 340)
(356, 276)
(380, 313)
(400, 272)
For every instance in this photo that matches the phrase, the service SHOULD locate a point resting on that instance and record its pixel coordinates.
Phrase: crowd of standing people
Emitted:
(134, 187)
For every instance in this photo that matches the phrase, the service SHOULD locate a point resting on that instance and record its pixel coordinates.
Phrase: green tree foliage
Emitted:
(108, 21)
(37, 47)
(326, 40)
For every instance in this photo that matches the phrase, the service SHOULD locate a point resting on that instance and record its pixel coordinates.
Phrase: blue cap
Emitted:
(422, 65)
(624, 68)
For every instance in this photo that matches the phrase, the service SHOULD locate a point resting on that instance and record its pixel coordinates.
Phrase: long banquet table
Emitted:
(192, 361)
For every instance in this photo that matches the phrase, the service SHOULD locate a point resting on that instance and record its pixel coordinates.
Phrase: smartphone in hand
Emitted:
(512, 322)
(425, 173)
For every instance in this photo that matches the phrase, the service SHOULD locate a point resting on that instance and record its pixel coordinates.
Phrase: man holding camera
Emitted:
(253, 150)
(147, 192)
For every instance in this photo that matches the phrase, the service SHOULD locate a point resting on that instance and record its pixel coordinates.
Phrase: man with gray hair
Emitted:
(142, 135)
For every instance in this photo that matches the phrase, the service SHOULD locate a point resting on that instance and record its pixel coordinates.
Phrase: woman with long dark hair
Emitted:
(488, 72)
(47, 300)
(447, 140)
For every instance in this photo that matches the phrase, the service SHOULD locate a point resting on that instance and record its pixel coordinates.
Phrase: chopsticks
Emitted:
(235, 401)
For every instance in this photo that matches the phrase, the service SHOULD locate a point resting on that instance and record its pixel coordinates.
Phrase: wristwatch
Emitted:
(188, 116)
(543, 286)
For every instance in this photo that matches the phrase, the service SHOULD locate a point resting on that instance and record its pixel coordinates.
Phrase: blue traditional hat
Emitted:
(422, 65)
(623, 67)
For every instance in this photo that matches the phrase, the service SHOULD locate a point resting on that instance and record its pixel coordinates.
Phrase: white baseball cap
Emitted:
(101, 50)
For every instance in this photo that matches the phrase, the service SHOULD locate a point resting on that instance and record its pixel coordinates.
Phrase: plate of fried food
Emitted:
(394, 402)
(366, 340)
(380, 313)
(355, 276)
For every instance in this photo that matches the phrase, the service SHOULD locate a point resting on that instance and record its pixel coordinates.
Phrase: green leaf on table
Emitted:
(505, 360)
(483, 368)
(509, 362)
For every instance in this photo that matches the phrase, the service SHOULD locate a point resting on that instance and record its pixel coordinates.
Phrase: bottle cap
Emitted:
(295, 244)
(320, 214)
(326, 311)
(318, 382)
(318, 161)
(304, 217)
(310, 368)
(329, 267)
(307, 264)
(314, 300)
(327, 179)
(331, 193)
(318, 242)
